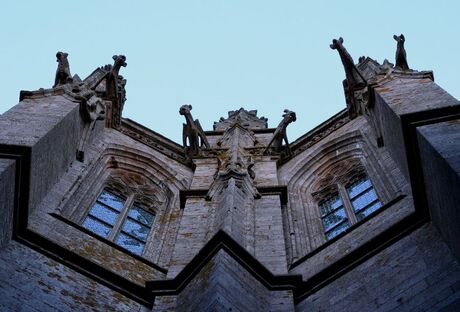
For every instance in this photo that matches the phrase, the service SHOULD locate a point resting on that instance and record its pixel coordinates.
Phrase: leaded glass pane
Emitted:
(336, 231)
(136, 229)
(141, 215)
(130, 243)
(111, 200)
(364, 199)
(334, 218)
(365, 212)
(103, 213)
(97, 227)
(358, 187)
(330, 205)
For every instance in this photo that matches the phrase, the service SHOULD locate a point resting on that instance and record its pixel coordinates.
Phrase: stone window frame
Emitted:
(303, 224)
(337, 183)
(130, 199)
(113, 180)
(82, 194)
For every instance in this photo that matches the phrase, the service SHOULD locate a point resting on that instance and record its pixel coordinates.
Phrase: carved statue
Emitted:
(193, 132)
(115, 91)
(63, 70)
(401, 57)
(276, 142)
(354, 78)
(112, 77)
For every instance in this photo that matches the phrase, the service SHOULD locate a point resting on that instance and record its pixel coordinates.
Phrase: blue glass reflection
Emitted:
(365, 212)
(334, 218)
(358, 187)
(135, 229)
(130, 243)
(103, 213)
(96, 227)
(364, 199)
(111, 200)
(330, 205)
(141, 215)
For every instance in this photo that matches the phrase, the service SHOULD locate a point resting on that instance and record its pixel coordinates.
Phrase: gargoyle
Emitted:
(112, 77)
(92, 109)
(63, 70)
(276, 143)
(192, 132)
(114, 91)
(354, 78)
(401, 57)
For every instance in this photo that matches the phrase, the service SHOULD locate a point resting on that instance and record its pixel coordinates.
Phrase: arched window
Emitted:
(119, 219)
(345, 201)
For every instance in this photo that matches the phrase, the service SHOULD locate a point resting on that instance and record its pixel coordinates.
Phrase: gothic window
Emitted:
(348, 200)
(120, 219)
(334, 216)
(363, 197)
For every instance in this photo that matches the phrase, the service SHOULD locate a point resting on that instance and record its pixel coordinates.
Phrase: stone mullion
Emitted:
(347, 204)
(121, 218)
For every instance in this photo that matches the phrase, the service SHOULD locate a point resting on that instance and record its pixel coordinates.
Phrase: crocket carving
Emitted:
(401, 57)
(276, 143)
(192, 132)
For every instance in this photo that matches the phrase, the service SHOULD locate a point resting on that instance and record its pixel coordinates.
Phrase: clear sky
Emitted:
(220, 55)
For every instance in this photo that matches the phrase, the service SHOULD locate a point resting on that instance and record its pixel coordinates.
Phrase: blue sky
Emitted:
(222, 55)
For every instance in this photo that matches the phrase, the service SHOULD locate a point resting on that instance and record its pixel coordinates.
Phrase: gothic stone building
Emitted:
(99, 213)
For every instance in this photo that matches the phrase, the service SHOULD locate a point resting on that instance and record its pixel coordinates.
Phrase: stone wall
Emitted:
(32, 282)
(7, 185)
(224, 285)
(418, 273)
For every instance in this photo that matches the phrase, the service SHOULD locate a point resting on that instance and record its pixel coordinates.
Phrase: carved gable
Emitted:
(246, 119)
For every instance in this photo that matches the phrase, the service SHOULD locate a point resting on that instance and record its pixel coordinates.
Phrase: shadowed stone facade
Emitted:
(241, 215)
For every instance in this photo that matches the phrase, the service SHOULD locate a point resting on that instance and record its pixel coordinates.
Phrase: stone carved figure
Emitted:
(401, 57)
(354, 78)
(92, 109)
(276, 143)
(63, 75)
(192, 132)
(112, 77)
(115, 91)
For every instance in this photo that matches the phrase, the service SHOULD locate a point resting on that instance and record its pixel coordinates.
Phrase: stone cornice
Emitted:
(280, 190)
(318, 133)
(153, 140)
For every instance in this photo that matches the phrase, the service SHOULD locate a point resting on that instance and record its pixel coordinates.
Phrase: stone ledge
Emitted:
(280, 190)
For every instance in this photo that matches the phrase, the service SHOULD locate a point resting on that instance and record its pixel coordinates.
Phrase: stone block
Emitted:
(439, 152)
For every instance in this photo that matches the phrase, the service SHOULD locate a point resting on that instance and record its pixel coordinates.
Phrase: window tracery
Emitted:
(345, 197)
(125, 209)
(121, 220)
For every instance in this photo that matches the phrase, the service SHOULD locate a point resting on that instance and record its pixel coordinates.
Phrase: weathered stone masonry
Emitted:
(238, 224)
